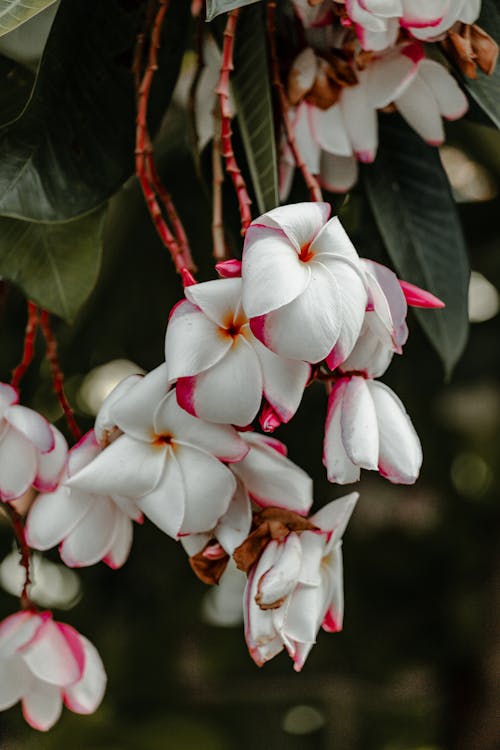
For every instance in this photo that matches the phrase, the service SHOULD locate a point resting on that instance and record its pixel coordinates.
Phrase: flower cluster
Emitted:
(178, 446)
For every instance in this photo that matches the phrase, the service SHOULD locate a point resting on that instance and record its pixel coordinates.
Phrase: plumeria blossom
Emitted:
(296, 587)
(32, 451)
(303, 286)
(222, 370)
(166, 460)
(367, 427)
(44, 664)
(88, 527)
(465, 11)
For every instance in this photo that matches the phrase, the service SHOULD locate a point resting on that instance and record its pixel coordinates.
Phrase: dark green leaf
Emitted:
(417, 218)
(74, 144)
(252, 93)
(55, 265)
(15, 12)
(17, 84)
(486, 89)
(216, 7)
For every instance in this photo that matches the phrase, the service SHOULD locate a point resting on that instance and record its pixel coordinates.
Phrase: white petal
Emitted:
(353, 295)
(134, 412)
(219, 299)
(420, 109)
(8, 396)
(308, 147)
(165, 505)
(230, 392)
(359, 424)
(400, 455)
(82, 453)
(54, 515)
(18, 461)
(334, 240)
(360, 118)
(272, 479)
(16, 631)
(313, 548)
(128, 506)
(334, 617)
(451, 100)
(304, 613)
(389, 75)
(335, 515)
(51, 464)
(272, 273)
(220, 440)
(54, 657)
(330, 131)
(260, 634)
(378, 40)
(284, 380)
(121, 543)
(421, 13)
(85, 696)
(32, 426)
(42, 705)
(104, 421)
(280, 580)
(339, 467)
(308, 327)
(15, 679)
(193, 342)
(91, 538)
(209, 488)
(126, 467)
(300, 222)
(338, 174)
(234, 526)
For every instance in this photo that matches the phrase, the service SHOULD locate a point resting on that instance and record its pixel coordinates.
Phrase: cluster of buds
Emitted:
(178, 446)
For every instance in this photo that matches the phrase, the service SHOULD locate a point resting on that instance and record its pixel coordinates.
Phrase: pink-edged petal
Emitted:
(389, 75)
(330, 131)
(134, 412)
(85, 696)
(121, 543)
(400, 454)
(469, 11)
(273, 275)
(260, 634)
(105, 421)
(338, 174)
(128, 506)
(209, 487)
(42, 705)
(339, 467)
(313, 549)
(18, 462)
(193, 342)
(333, 240)
(363, 16)
(16, 631)
(54, 515)
(334, 617)
(165, 505)
(82, 453)
(230, 392)
(371, 355)
(420, 109)
(127, 467)
(8, 397)
(284, 380)
(451, 100)
(280, 580)
(383, 8)
(304, 613)
(53, 657)
(271, 478)
(219, 299)
(309, 149)
(359, 424)
(377, 41)
(421, 13)
(307, 327)
(229, 269)
(15, 679)
(300, 222)
(32, 426)
(335, 516)
(220, 440)
(234, 526)
(195, 543)
(91, 538)
(51, 465)
(360, 118)
(417, 297)
(388, 301)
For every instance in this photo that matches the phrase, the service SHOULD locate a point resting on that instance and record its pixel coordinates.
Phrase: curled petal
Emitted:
(105, 421)
(32, 426)
(54, 515)
(55, 654)
(339, 467)
(300, 222)
(335, 516)
(8, 397)
(421, 111)
(51, 464)
(218, 299)
(280, 580)
(91, 539)
(284, 380)
(42, 705)
(234, 526)
(135, 411)
(18, 464)
(16, 631)
(85, 695)
(359, 424)
(416, 297)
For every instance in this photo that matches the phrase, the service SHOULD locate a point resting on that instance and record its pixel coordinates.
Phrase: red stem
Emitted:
(29, 346)
(57, 374)
(226, 132)
(18, 527)
(311, 182)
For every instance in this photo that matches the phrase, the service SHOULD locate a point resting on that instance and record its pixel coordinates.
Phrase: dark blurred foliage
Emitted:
(418, 663)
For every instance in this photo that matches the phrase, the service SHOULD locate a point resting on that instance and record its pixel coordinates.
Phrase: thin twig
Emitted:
(25, 551)
(29, 346)
(311, 182)
(219, 243)
(57, 374)
(226, 132)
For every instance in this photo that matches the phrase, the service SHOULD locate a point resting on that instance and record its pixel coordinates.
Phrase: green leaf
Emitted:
(15, 12)
(216, 7)
(486, 89)
(17, 84)
(56, 265)
(74, 144)
(415, 212)
(252, 93)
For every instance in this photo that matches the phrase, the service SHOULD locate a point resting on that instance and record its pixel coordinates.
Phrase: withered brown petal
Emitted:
(208, 571)
(251, 549)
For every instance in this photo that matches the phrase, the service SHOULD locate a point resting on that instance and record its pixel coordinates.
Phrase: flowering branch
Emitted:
(25, 551)
(57, 374)
(29, 346)
(226, 131)
(311, 182)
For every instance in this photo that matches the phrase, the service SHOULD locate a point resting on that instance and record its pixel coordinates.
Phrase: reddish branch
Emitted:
(57, 374)
(145, 170)
(18, 527)
(29, 346)
(219, 243)
(226, 132)
(311, 182)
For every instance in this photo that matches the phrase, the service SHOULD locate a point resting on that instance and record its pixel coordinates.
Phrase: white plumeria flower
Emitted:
(45, 663)
(303, 287)
(32, 451)
(367, 427)
(376, 21)
(222, 370)
(297, 586)
(88, 527)
(465, 11)
(167, 461)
